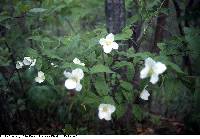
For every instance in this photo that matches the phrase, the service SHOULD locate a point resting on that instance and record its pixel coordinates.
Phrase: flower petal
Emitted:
(154, 78)
(144, 72)
(76, 61)
(33, 63)
(107, 49)
(39, 80)
(115, 45)
(107, 116)
(149, 62)
(19, 65)
(27, 61)
(82, 64)
(67, 74)
(101, 106)
(159, 68)
(78, 73)
(78, 87)
(144, 95)
(111, 108)
(102, 41)
(110, 37)
(101, 115)
(70, 84)
(40, 74)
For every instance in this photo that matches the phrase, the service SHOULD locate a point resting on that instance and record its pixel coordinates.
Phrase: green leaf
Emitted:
(108, 100)
(41, 96)
(155, 119)
(37, 10)
(140, 55)
(128, 95)
(41, 38)
(126, 34)
(38, 63)
(49, 79)
(91, 99)
(161, 46)
(120, 110)
(174, 67)
(137, 112)
(68, 130)
(101, 86)
(99, 69)
(126, 85)
(31, 53)
(3, 17)
(121, 64)
(51, 54)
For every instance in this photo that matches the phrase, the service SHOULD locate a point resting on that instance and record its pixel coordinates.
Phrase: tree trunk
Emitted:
(161, 21)
(115, 15)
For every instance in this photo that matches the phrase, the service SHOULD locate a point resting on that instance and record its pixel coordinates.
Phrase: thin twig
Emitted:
(104, 62)
(142, 35)
(70, 25)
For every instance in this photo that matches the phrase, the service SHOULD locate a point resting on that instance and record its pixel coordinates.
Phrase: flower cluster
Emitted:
(26, 62)
(73, 82)
(74, 78)
(152, 69)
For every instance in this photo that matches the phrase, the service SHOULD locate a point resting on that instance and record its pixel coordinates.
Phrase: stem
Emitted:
(104, 63)
(71, 26)
(13, 61)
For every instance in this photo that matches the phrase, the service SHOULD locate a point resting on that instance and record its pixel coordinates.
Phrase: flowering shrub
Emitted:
(65, 71)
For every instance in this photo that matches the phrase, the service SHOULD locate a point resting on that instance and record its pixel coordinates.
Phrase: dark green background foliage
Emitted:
(59, 30)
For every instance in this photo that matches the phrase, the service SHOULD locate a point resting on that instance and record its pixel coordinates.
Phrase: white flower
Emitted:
(52, 64)
(105, 111)
(73, 81)
(27, 61)
(40, 78)
(33, 63)
(19, 65)
(78, 62)
(144, 94)
(108, 43)
(152, 69)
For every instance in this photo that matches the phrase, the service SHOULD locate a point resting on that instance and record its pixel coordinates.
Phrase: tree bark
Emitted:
(161, 21)
(115, 15)
(186, 58)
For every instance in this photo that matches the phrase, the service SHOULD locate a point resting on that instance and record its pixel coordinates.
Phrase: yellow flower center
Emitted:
(105, 109)
(151, 72)
(76, 79)
(108, 42)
